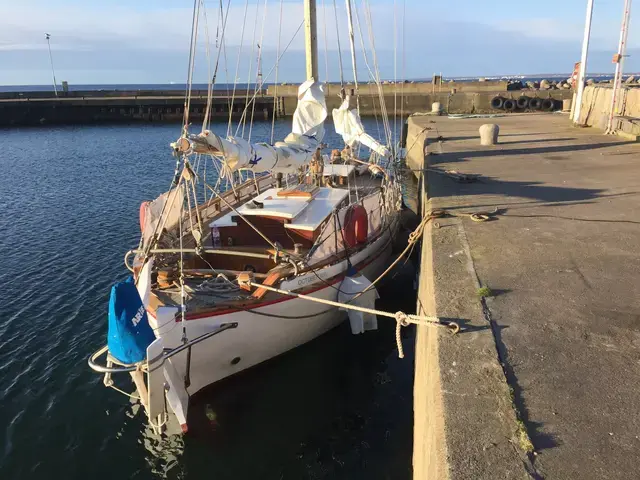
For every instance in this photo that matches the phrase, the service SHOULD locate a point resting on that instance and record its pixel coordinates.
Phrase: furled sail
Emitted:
(283, 157)
(348, 124)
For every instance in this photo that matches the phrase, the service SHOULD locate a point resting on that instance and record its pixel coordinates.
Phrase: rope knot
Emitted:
(402, 319)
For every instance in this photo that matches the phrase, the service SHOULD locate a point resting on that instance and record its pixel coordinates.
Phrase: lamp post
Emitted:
(618, 59)
(55, 89)
(583, 62)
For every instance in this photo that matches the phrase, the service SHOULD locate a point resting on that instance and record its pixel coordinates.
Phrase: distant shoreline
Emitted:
(243, 86)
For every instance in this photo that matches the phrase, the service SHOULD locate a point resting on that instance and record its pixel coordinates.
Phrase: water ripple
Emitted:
(69, 212)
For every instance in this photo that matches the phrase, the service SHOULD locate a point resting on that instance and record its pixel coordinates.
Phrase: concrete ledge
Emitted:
(465, 423)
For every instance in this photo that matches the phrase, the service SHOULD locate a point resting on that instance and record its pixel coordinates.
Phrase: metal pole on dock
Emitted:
(618, 59)
(311, 39)
(583, 62)
(55, 89)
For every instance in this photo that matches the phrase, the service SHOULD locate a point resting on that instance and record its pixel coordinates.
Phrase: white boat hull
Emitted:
(258, 338)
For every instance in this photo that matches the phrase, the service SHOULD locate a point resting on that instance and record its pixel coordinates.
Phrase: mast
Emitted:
(311, 39)
(353, 53)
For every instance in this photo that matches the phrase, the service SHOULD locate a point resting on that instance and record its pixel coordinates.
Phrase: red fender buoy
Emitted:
(143, 214)
(356, 226)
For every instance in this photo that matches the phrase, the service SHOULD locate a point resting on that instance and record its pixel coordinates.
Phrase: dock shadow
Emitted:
(541, 439)
(461, 156)
(538, 191)
(540, 140)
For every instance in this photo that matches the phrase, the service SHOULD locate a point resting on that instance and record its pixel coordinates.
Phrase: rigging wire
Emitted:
(403, 125)
(223, 43)
(192, 59)
(395, 70)
(371, 76)
(275, 89)
(383, 108)
(222, 18)
(253, 46)
(266, 77)
(258, 73)
(207, 48)
(235, 78)
(335, 13)
(326, 46)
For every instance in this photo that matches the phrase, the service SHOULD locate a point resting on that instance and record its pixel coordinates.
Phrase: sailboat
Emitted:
(201, 304)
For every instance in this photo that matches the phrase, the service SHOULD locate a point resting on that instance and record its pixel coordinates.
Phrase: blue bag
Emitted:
(129, 331)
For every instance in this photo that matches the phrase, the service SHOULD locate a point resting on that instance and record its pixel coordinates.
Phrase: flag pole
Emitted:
(55, 89)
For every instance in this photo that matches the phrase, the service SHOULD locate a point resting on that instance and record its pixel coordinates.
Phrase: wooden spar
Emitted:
(194, 145)
(311, 39)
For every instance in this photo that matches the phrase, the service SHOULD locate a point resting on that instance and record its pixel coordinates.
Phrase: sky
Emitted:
(147, 41)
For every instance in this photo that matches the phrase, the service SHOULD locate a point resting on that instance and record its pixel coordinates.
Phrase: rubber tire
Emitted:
(548, 105)
(497, 103)
(523, 103)
(509, 105)
(535, 103)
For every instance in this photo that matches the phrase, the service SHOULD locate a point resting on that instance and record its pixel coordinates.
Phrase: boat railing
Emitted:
(167, 353)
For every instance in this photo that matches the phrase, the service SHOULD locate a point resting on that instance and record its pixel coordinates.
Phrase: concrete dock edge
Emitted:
(465, 422)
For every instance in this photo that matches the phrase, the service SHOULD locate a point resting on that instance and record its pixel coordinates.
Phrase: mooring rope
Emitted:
(402, 319)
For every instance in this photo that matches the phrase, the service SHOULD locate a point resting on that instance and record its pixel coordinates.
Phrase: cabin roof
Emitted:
(305, 213)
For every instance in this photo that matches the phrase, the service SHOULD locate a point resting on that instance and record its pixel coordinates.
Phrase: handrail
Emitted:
(131, 368)
(237, 253)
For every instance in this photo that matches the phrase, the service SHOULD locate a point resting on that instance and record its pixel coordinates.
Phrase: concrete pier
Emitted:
(542, 382)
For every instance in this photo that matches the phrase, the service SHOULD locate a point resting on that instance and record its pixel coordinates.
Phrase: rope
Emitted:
(130, 395)
(413, 238)
(402, 319)
(183, 306)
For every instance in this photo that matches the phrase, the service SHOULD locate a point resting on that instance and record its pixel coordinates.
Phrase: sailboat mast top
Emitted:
(311, 39)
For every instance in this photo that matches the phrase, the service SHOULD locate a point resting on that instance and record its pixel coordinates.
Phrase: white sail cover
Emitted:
(348, 124)
(285, 157)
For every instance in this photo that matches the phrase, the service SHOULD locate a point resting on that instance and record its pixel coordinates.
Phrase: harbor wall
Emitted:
(596, 106)
(405, 88)
(113, 106)
(120, 107)
(429, 440)
(452, 103)
(465, 424)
